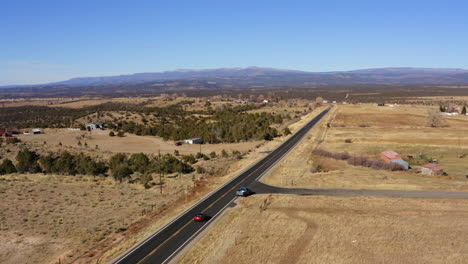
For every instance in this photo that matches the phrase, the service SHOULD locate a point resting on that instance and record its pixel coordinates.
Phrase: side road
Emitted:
(262, 188)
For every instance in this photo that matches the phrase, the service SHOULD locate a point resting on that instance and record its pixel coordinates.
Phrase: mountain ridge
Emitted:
(272, 77)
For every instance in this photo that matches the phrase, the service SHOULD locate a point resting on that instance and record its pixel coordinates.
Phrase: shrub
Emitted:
(7, 167)
(213, 155)
(348, 140)
(358, 161)
(286, 131)
(112, 134)
(27, 161)
(200, 169)
(121, 172)
(13, 140)
(120, 134)
(224, 154)
(139, 162)
(189, 158)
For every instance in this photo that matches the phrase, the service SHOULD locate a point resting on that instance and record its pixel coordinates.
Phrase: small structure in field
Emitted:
(390, 155)
(8, 133)
(432, 169)
(380, 104)
(194, 140)
(92, 126)
(401, 162)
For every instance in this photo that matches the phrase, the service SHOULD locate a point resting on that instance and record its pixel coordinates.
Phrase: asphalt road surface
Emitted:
(164, 244)
(262, 188)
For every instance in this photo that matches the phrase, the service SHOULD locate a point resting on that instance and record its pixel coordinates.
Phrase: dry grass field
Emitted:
(317, 229)
(44, 218)
(128, 144)
(68, 217)
(94, 219)
(372, 130)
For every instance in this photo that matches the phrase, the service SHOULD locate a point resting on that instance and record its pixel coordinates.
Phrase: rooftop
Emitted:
(390, 154)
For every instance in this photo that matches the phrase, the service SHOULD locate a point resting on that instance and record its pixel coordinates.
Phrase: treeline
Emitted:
(359, 160)
(222, 125)
(120, 166)
(53, 117)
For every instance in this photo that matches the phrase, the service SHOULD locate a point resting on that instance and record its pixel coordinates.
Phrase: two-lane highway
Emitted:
(164, 244)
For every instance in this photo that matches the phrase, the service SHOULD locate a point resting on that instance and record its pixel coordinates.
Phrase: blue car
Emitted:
(244, 191)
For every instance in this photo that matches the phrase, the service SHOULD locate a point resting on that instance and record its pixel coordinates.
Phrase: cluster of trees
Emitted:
(64, 164)
(55, 117)
(231, 124)
(121, 166)
(359, 160)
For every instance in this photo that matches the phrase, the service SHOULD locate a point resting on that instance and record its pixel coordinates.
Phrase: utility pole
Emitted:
(160, 183)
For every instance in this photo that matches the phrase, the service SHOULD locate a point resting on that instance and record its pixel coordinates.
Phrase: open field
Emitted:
(51, 215)
(299, 229)
(94, 218)
(129, 144)
(401, 129)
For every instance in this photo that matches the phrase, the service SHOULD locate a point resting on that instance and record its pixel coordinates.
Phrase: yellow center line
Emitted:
(184, 226)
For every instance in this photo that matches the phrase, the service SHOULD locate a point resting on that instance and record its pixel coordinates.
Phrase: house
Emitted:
(4, 133)
(36, 131)
(390, 155)
(194, 140)
(8, 133)
(92, 126)
(266, 101)
(431, 169)
(402, 163)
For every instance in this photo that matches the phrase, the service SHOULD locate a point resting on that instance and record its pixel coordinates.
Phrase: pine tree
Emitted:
(463, 112)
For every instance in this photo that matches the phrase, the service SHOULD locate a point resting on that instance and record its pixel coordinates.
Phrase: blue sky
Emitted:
(44, 41)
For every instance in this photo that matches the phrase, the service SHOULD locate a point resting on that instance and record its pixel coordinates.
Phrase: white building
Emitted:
(195, 140)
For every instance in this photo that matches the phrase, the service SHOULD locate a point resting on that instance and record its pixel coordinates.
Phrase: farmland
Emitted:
(374, 129)
(298, 229)
(50, 219)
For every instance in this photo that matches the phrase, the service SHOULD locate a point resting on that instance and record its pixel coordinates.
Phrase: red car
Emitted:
(200, 217)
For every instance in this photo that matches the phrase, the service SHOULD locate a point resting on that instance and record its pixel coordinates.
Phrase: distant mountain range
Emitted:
(256, 76)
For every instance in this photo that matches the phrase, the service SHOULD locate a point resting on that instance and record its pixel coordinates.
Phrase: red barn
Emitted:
(390, 155)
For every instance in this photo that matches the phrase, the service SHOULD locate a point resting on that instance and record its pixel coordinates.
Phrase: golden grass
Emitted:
(47, 217)
(298, 229)
(444, 144)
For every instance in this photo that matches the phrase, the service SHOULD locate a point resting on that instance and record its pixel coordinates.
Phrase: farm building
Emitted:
(431, 169)
(8, 133)
(93, 126)
(402, 163)
(195, 140)
(390, 155)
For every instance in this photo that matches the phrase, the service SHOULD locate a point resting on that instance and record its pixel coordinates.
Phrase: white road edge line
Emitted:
(138, 245)
(287, 152)
(210, 221)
